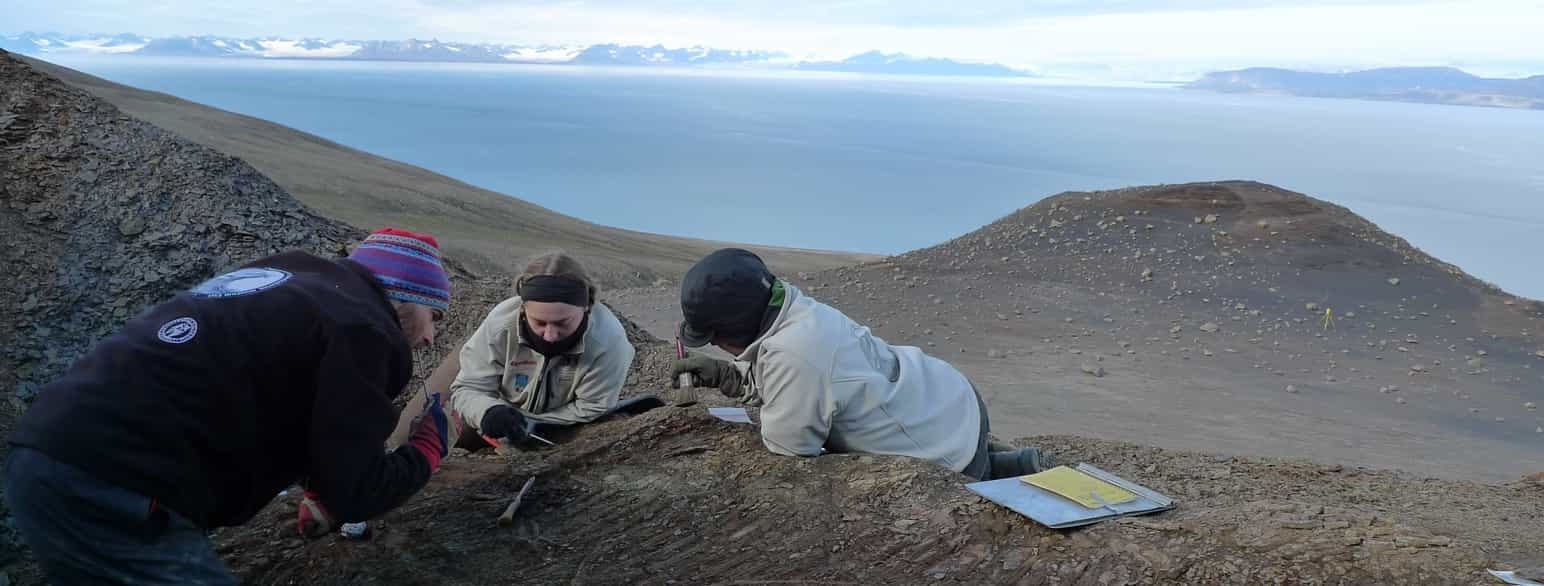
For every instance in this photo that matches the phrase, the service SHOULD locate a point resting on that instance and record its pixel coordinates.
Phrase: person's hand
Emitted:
(708, 372)
(504, 422)
(311, 519)
(431, 436)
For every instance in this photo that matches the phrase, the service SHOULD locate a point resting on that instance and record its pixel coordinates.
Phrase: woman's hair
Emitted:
(558, 264)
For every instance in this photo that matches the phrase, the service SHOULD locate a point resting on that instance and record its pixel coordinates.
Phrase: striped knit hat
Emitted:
(407, 264)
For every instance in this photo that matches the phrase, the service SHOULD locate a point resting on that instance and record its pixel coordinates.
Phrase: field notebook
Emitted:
(1070, 496)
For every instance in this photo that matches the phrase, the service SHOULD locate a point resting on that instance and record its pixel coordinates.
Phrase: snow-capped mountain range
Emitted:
(442, 51)
(279, 48)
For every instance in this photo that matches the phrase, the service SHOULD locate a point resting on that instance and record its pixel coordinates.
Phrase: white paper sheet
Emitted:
(1512, 578)
(730, 414)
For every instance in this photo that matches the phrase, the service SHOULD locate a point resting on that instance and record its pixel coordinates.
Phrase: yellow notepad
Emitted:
(1084, 489)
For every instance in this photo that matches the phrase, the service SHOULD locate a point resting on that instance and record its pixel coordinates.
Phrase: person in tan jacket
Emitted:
(826, 383)
(549, 355)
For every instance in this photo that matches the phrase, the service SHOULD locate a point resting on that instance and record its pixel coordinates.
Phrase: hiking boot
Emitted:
(1019, 462)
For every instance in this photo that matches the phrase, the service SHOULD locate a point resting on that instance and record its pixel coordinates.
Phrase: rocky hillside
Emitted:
(105, 214)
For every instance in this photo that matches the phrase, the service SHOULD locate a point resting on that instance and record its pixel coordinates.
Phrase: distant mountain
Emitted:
(659, 55)
(1436, 85)
(200, 47)
(903, 64)
(442, 51)
(277, 48)
(57, 43)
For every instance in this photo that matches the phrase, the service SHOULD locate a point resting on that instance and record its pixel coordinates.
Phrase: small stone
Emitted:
(1417, 368)
(1394, 281)
(1147, 273)
(1209, 327)
(1530, 406)
(1093, 370)
(133, 226)
(1209, 219)
(1400, 400)
(1312, 306)
(359, 530)
(1291, 388)
(1013, 560)
(1176, 329)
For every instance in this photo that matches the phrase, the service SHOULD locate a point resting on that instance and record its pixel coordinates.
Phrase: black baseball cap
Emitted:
(725, 293)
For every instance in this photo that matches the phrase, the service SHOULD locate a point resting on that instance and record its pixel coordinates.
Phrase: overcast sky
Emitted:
(1486, 35)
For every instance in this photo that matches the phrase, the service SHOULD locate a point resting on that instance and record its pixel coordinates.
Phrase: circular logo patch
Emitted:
(241, 282)
(178, 331)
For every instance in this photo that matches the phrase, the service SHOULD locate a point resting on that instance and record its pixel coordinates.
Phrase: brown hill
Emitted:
(1201, 309)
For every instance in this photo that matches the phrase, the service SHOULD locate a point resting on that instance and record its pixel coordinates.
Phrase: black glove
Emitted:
(504, 422)
(708, 372)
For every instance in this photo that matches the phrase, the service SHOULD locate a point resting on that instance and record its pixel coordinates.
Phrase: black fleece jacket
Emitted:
(216, 400)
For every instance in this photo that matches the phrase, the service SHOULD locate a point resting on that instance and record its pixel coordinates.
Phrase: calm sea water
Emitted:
(889, 164)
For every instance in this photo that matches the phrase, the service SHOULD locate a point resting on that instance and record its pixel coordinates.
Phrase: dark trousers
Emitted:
(980, 467)
(85, 531)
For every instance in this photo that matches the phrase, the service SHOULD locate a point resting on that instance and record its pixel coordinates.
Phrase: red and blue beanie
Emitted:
(407, 264)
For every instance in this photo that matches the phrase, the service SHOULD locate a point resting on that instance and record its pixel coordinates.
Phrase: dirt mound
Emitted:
(674, 496)
(1251, 230)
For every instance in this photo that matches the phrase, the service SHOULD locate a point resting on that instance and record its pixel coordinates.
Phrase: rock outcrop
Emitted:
(104, 215)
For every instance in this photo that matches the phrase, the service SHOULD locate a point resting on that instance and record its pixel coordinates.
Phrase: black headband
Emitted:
(555, 289)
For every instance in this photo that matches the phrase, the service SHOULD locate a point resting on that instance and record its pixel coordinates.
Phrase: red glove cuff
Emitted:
(312, 519)
(427, 440)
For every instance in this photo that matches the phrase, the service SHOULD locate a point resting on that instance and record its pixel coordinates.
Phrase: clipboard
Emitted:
(1059, 512)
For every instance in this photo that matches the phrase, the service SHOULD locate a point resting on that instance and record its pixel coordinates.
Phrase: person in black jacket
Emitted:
(202, 408)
